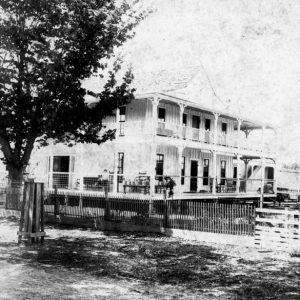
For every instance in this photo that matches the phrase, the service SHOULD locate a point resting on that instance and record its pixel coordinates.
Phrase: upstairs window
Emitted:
(122, 111)
(224, 128)
(161, 114)
(207, 124)
(196, 122)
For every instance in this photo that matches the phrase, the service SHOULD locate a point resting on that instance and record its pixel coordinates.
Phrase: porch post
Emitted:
(180, 152)
(262, 182)
(246, 161)
(181, 110)
(238, 171)
(115, 179)
(153, 146)
(216, 128)
(214, 169)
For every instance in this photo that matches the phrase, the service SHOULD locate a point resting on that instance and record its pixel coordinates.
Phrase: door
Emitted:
(196, 127)
(194, 176)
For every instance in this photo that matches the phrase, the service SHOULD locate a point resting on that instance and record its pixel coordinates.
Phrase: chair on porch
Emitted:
(230, 186)
(211, 183)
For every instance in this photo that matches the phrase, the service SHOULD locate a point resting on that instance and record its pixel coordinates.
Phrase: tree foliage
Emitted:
(47, 47)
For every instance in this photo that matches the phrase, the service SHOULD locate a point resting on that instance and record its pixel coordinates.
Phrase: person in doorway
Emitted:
(170, 183)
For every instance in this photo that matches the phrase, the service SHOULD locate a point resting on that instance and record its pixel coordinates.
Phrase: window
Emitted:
(120, 166)
(62, 168)
(120, 163)
(207, 124)
(182, 169)
(61, 163)
(223, 171)
(159, 166)
(161, 114)
(122, 111)
(184, 119)
(205, 171)
(269, 173)
(224, 128)
(234, 172)
(196, 122)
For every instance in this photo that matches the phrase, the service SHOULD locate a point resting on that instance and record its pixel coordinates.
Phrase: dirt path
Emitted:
(83, 264)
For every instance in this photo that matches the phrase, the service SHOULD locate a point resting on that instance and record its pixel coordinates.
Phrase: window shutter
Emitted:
(72, 164)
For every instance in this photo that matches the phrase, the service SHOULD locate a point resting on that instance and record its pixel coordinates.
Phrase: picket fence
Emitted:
(235, 219)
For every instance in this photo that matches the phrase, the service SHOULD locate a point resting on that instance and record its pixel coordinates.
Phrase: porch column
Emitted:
(216, 128)
(238, 172)
(214, 173)
(262, 182)
(180, 152)
(246, 161)
(117, 122)
(115, 179)
(181, 110)
(152, 164)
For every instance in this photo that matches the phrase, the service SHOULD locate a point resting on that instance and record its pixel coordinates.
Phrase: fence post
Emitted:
(166, 219)
(107, 203)
(56, 202)
(32, 219)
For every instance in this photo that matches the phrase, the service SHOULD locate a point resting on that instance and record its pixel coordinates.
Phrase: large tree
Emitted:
(47, 47)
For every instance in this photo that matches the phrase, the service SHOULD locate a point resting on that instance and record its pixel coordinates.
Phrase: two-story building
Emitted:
(208, 153)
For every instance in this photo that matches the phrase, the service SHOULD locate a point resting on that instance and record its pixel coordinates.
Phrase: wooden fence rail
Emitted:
(277, 229)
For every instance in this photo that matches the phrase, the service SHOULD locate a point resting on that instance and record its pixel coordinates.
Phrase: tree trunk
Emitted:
(15, 174)
(14, 191)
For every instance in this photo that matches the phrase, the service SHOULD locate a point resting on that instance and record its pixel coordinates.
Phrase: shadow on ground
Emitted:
(154, 259)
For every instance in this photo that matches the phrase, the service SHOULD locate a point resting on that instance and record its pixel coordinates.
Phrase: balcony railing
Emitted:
(205, 136)
(168, 129)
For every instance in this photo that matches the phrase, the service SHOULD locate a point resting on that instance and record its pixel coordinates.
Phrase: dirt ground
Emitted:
(86, 264)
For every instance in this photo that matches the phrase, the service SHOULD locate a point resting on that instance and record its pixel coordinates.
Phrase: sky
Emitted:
(249, 49)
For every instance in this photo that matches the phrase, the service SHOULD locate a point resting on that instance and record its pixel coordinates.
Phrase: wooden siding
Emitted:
(172, 112)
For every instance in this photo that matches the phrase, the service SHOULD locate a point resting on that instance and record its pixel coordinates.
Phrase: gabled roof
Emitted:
(190, 82)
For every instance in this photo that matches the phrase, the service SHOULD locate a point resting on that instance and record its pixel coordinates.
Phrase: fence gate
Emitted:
(32, 213)
(279, 229)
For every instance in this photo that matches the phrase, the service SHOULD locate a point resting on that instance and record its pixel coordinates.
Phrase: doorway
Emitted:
(194, 176)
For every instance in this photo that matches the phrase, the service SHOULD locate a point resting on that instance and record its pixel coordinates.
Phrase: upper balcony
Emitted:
(231, 140)
(140, 130)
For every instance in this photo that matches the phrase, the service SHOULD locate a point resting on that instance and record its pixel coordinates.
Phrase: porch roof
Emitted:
(247, 124)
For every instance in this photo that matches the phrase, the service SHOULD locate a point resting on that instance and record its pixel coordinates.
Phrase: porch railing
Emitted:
(178, 185)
